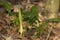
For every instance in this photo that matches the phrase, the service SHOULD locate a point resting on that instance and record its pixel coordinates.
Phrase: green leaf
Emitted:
(25, 13)
(7, 5)
(34, 12)
(13, 14)
(41, 27)
(54, 20)
(44, 24)
(16, 20)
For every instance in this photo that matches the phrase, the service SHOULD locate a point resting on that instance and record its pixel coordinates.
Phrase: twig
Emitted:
(49, 33)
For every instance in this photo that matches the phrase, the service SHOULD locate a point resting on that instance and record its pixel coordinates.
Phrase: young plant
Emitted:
(28, 16)
(8, 7)
(20, 21)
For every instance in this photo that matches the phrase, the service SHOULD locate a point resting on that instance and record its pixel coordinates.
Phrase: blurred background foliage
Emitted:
(31, 16)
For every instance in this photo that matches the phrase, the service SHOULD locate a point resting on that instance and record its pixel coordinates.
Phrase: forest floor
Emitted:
(7, 32)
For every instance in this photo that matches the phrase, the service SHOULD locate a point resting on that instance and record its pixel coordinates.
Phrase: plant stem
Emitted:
(20, 20)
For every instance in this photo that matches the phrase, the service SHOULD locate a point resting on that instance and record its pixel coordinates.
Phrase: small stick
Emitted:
(49, 33)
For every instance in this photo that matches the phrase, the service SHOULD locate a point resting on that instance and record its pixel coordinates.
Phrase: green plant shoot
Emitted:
(20, 20)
